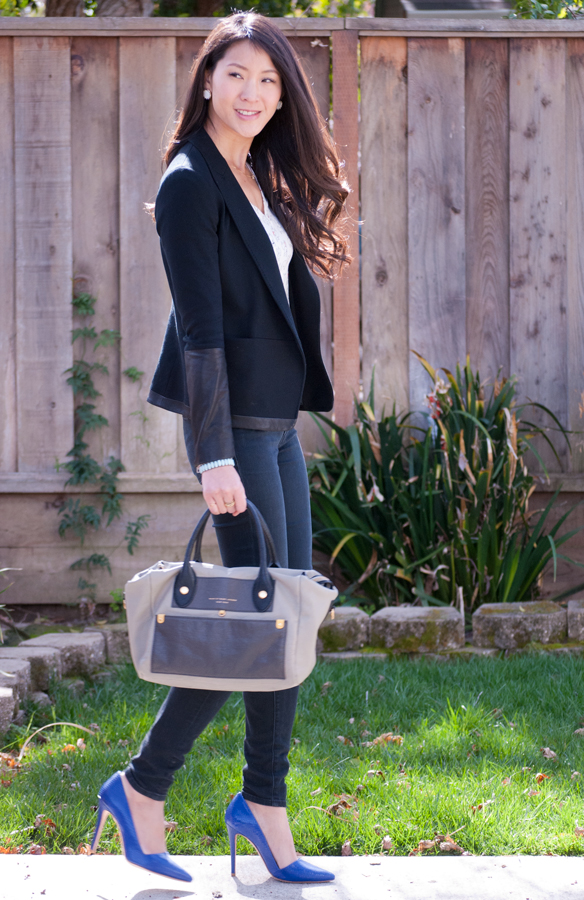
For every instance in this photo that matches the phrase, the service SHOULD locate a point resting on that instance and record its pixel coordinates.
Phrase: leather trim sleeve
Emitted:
(209, 410)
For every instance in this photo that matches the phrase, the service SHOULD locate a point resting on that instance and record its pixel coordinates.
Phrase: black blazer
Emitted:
(230, 307)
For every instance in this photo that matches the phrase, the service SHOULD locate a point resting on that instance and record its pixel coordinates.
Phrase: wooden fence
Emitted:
(471, 200)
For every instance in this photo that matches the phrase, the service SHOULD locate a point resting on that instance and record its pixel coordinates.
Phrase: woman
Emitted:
(251, 194)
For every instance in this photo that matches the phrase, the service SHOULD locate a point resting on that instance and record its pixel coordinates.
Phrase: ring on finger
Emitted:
(230, 504)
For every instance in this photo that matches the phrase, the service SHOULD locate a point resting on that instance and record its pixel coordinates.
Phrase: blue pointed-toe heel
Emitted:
(241, 821)
(113, 802)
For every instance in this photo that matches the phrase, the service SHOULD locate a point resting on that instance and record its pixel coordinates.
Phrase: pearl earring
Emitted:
(207, 94)
(279, 104)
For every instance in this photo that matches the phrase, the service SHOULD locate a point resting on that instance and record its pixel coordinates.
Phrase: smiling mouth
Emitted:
(248, 112)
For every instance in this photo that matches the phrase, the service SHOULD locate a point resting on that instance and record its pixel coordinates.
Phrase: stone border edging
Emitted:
(432, 633)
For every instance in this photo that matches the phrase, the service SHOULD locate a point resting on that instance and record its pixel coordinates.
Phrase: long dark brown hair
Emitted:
(293, 157)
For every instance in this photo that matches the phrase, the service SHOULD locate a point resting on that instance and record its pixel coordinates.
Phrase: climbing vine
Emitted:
(77, 517)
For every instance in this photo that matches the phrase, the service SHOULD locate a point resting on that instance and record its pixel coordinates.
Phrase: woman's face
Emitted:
(245, 88)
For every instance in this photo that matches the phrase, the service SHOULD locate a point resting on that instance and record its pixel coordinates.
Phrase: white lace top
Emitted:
(280, 241)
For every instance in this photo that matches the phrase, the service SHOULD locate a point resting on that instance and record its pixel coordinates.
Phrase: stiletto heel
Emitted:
(240, 820)
(113, 802)
(102, 815)
(233, 848)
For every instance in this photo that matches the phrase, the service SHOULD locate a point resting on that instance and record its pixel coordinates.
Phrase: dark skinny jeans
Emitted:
(273, 472)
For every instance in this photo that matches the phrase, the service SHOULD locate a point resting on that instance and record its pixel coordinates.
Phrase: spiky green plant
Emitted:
(437, 513)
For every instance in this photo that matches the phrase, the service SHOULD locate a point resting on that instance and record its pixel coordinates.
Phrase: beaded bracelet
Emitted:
(215, 465)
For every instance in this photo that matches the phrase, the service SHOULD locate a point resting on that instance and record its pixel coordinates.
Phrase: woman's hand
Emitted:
(223, 490)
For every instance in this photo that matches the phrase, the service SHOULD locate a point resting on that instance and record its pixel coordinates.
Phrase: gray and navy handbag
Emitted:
(198, 625)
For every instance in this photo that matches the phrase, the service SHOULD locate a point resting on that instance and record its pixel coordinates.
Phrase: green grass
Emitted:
(467, 727)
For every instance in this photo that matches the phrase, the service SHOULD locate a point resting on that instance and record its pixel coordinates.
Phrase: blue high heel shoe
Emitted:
(240, 820)
(113, 802)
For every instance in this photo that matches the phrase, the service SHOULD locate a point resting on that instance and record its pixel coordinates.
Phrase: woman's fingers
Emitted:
(223, 491)
(240, 501)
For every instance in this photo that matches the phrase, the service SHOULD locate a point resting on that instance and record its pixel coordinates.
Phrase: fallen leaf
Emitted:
(579, 831)
(352, 720)
(447, 844)
(5, 783)
(547, 753)
(345, 802)
(316, 792)
(526, 768)
(386, 843)
(422, 847)
(67, 851)
(81, 745)
(84, 850)
(41, 822)
(37, 850)
(206, 841)
(365, 734)
(387, 738)
(360, 787)
(346, 849)
(579, 732)
(506, 781)
(575, 775)
(68, 748)
(66, 766)
(170, 826)
(373, 772)
(532, 793)
(380, 678)
(325, 687)
(480, 806)
(540, 777)
(345, 740)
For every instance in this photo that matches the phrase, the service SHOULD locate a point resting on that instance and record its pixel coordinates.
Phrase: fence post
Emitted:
(346, 325)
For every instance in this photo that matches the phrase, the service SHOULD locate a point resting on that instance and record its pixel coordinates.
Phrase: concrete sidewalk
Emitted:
(357, 878)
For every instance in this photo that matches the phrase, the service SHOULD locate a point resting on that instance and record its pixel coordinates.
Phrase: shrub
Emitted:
(437, 513)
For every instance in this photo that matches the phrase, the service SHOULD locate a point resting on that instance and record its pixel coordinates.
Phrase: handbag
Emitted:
(250, 628)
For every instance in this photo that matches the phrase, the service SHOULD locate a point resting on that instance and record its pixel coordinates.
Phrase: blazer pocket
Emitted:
(266, 378)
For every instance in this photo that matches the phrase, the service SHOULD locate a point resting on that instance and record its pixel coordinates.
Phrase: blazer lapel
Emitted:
(250, 228)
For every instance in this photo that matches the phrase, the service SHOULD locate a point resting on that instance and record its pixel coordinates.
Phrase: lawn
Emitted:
(471, 763)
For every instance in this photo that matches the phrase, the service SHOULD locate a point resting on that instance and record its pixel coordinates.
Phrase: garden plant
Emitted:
(437, 511)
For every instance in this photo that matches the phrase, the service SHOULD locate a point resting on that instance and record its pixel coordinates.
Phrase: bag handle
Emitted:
(272, 556)
(263, 588)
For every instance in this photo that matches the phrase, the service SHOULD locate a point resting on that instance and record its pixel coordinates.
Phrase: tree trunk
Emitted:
(124, 7)
(64, 8)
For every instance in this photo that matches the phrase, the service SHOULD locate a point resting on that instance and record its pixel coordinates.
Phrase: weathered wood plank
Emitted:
(314, 54)
(487, 205)
(436, 243)
(149, 435)
(96, 236)
(346, 326)
(384, 288)
(111, 26)
(186, 52)
(537, 122)
(42, 129)
(575, 247)
(8, 445)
